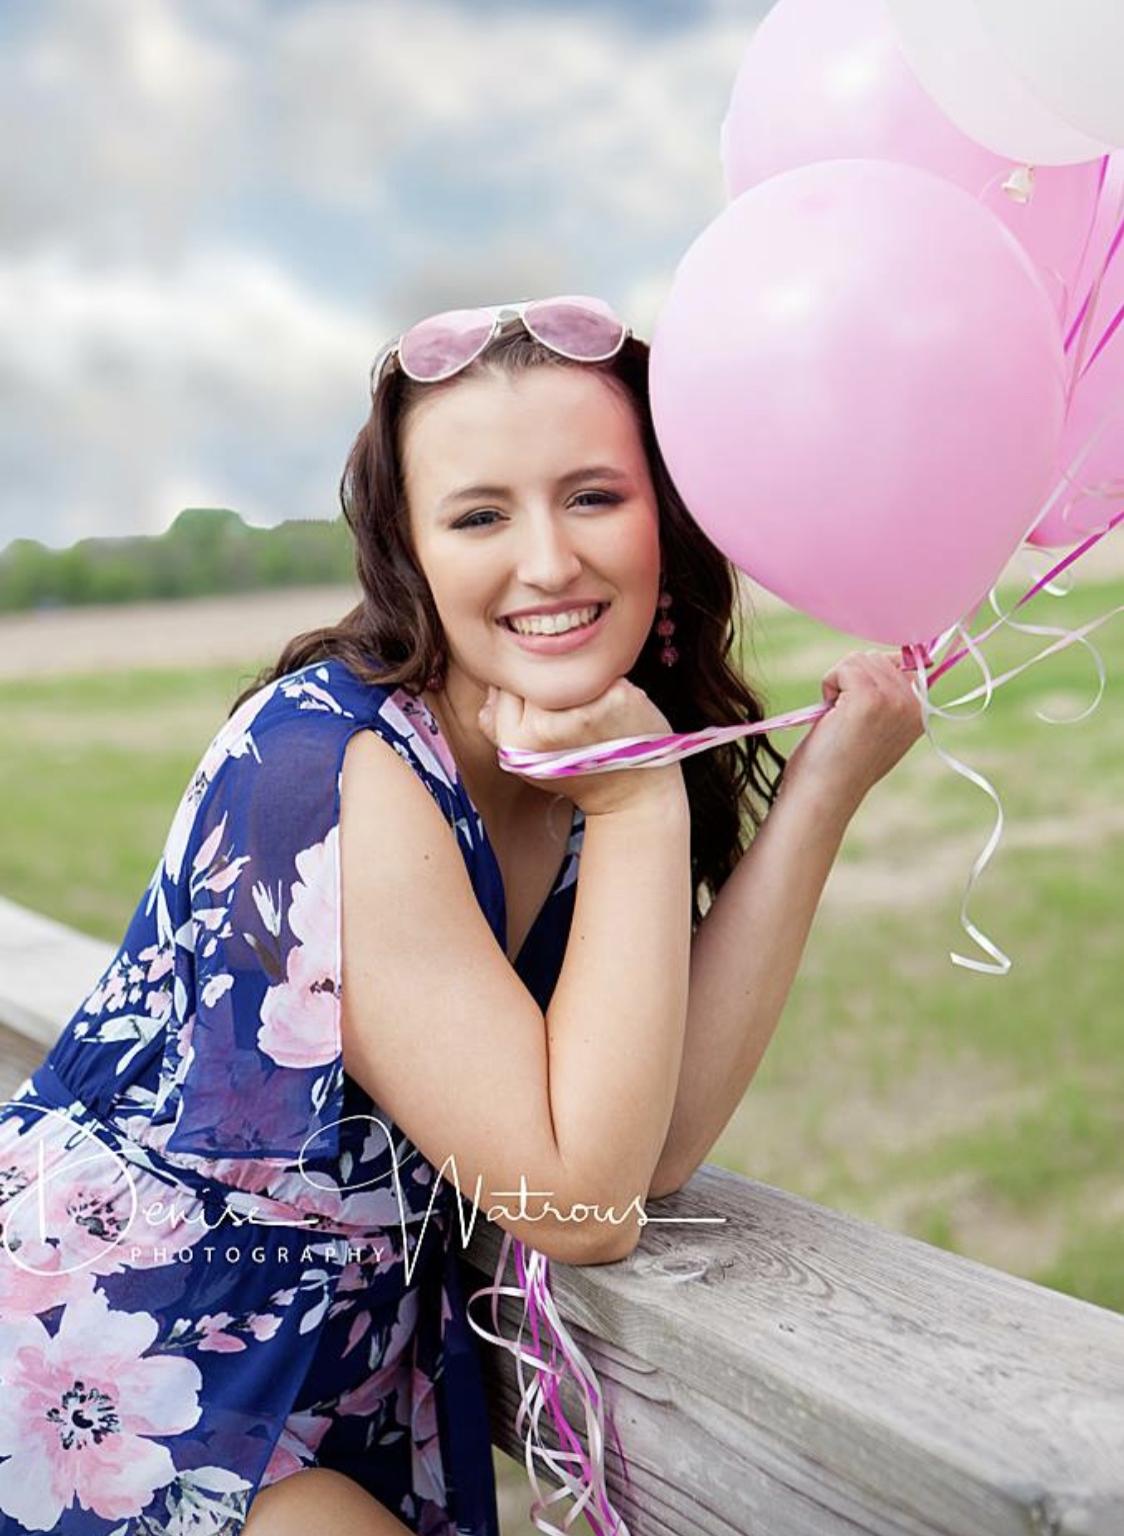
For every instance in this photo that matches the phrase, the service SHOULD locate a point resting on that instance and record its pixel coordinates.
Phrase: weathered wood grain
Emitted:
(801, 1371)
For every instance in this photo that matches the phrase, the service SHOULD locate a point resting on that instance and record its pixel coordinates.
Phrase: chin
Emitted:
(564, 692)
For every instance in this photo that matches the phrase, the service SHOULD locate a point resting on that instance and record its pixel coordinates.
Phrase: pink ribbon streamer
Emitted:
(555, 1354)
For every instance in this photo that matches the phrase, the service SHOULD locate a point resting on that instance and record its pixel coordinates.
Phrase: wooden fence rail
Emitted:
(785, 1370)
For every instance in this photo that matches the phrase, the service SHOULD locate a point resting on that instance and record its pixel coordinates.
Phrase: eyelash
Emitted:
(607, 498)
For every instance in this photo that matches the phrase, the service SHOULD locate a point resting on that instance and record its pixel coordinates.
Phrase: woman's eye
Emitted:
(468, 522)
(600, 498)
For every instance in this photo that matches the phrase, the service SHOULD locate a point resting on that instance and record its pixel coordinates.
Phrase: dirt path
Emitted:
(248, 627)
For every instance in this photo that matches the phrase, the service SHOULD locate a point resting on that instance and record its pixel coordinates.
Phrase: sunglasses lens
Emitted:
(436, 348)
(578, 326)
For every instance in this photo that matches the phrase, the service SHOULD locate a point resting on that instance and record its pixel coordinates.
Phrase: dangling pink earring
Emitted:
(665, 628)
(435, 679)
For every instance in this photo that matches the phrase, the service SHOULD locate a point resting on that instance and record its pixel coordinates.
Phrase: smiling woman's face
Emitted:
(531, 492)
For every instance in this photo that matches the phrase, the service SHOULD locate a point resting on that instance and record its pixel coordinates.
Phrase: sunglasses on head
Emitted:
(576, 326)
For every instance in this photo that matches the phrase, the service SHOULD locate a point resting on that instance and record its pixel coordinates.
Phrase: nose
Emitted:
(547, 557)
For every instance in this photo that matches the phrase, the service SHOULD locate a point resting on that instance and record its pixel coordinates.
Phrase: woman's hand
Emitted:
(874, 719)
(622, 710)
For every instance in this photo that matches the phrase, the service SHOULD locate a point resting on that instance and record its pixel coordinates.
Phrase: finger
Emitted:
(486, 716)
(843, 675)
(508, 709)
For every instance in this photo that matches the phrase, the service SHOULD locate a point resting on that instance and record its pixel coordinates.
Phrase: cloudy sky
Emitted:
(212, 212)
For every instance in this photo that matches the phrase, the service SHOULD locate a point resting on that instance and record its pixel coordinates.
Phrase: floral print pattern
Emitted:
(220, 1261)
(82, 1411)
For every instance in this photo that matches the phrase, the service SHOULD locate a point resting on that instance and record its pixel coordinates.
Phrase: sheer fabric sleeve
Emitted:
(252, 1064)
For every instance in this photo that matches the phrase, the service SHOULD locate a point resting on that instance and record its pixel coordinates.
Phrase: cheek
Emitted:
(628, 549)
(460, 586)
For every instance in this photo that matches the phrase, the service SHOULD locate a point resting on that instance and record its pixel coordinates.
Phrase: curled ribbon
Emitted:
(565, 1358)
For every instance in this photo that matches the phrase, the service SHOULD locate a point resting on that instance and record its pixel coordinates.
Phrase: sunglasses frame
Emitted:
(501, 314)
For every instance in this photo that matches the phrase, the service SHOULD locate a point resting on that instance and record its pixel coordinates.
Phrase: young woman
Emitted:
(377, 981)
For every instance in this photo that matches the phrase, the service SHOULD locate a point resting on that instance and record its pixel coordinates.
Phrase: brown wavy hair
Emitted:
(394, 637)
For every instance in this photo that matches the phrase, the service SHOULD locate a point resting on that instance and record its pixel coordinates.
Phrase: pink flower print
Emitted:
(312, 914)
(160, 959)
(77, 1411)
(358, 1331)
(300, 1017)
(433, 1520)
(214, 1338)
(411, 719)
(33, 1279)
(216, 987)
(90, 1208)
(207, 875)
(378, 1207)
(373, 1391)
(426, 1464)
(217, 1336)
(300, 1440)
(84, 1203)
(110, 992)
(158, 1003)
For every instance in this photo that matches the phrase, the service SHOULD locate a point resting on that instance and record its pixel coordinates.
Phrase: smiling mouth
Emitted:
(570, 629)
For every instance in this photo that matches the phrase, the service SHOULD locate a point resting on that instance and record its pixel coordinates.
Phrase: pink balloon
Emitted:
(857, 383)
(827, 79)
(1090, 468)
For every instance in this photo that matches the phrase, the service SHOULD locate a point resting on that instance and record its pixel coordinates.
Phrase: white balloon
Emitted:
(960, 64)
(1070, 53)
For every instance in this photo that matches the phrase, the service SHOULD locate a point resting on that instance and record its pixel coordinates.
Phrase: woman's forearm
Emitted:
(616, 1020)
(744, 957)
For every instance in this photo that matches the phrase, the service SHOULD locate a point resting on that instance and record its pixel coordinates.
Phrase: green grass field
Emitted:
(983, 1114)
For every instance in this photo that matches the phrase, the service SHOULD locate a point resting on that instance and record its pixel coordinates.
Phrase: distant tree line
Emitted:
(206, 550)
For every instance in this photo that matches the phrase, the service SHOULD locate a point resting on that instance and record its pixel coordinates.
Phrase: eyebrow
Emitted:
(588, 472)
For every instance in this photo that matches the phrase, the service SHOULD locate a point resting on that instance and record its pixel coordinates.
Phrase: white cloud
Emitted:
(120, 125)
(619, 125)
(192, 193)
(220, 373)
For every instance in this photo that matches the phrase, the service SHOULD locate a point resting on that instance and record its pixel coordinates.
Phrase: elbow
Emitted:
(599, 1237)
(607, 1244)
(588, 1242)
(613, 1232)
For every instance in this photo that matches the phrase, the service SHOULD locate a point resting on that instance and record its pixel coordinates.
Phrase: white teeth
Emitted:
(555, 623)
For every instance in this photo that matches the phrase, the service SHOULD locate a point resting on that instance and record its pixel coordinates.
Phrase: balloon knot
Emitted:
(919, 651)
(1019, 185)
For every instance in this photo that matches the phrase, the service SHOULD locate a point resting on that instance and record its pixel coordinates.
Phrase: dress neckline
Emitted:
(577, 827)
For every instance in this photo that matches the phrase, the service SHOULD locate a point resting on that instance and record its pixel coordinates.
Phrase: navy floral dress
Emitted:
(222, 1261)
